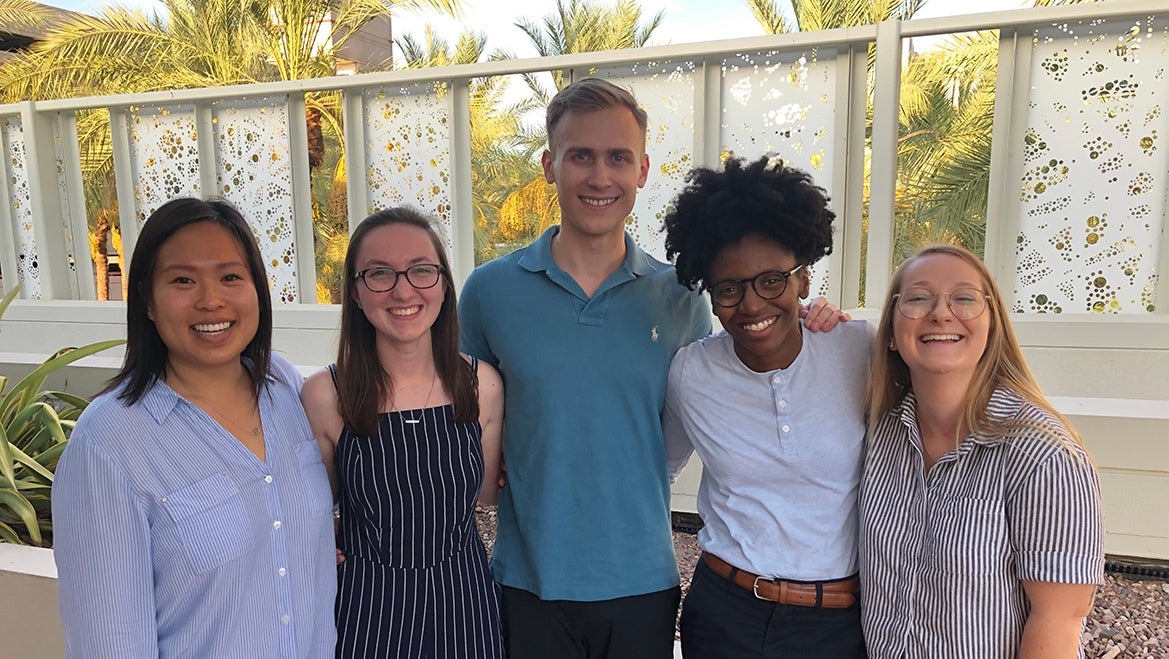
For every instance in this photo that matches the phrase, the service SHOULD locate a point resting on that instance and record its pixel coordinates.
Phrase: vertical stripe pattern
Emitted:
(415, 582)
(944, 553)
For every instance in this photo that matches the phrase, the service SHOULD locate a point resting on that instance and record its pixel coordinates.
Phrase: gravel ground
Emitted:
(1130, 619)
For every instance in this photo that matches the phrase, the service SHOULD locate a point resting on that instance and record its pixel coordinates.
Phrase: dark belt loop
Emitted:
(819, 594)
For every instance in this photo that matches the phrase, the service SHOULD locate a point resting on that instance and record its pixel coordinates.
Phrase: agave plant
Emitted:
(34, 427)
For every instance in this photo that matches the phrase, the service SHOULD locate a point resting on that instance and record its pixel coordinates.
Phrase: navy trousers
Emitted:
(721, 620)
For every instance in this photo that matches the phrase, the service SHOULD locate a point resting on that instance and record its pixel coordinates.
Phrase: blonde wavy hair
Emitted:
(1002, 364)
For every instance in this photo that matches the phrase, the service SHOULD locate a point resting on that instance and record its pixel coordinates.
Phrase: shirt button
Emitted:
(268, 478)
(778, 379)
(785, 429)
(783, 403)
(276, 525)
(282, 572)
(286, 618)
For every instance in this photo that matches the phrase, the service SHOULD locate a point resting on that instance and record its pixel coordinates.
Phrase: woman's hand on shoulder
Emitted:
(820, 315)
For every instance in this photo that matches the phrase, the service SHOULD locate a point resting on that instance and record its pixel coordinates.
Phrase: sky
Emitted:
(684, 21)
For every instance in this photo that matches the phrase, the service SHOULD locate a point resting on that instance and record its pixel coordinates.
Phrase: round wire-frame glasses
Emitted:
(964, 303)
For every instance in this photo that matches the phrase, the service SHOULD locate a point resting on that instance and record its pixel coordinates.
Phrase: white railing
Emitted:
(1066, 76)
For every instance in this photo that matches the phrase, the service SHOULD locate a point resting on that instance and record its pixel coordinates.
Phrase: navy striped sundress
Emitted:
(415, 581)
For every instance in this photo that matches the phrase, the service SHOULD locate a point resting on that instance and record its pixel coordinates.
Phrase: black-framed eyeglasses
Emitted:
(964, 303)
(768, 285)
(380, 279)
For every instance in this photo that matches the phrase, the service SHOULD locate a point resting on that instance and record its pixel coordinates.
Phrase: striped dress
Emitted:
(415, 581)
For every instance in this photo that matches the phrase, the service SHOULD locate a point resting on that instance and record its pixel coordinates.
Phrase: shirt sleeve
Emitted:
(700, 319)
(102, 549)
(678, 445)
(472, 339)
(1056, 526)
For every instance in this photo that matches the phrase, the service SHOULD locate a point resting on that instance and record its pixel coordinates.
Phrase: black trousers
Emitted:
(722, 621)
(636, 627)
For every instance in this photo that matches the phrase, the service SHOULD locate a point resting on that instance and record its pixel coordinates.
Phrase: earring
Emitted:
(892, 346)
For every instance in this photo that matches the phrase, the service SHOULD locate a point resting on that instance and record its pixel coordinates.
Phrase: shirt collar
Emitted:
(160, 400)
(1004, 404)
(538, 256)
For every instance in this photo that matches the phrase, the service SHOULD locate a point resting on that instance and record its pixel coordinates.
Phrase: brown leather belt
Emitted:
(827, 594)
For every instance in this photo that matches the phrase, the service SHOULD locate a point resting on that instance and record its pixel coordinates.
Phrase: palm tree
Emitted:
(810, 15)
(20, 15)
(581, 26)
(197, 43)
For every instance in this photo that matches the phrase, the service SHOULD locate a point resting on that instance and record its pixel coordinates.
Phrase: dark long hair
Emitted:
(362, 383)
(146, 354)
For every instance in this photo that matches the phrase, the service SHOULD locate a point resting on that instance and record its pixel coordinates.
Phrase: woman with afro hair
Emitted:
(776, 415)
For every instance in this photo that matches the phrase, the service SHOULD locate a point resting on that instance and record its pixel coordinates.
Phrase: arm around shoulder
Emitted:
(491, 421)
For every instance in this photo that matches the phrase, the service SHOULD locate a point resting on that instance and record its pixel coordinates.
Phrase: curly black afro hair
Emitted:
(763, 198)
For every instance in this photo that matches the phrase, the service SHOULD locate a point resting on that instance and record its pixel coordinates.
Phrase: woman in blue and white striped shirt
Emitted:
(981, 533)
(191, 506)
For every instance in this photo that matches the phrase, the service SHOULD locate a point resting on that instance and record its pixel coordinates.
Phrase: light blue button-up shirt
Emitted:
(173, 540)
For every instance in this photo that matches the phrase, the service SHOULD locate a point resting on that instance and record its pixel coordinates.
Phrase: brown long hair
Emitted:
(362, 383)
(1002, 363)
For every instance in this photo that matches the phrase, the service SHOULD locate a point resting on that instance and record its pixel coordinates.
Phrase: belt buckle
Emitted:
(755, 588)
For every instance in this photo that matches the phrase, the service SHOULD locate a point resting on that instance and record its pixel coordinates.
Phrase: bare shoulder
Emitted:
(319, 394)
(490, 381)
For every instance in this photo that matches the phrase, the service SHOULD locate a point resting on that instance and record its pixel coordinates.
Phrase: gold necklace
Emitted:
(254, 431)
(433, 379)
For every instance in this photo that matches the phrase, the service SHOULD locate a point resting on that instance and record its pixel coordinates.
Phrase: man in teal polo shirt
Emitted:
(582, 325)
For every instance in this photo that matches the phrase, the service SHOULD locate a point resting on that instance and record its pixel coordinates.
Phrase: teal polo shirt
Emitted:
(585, 515)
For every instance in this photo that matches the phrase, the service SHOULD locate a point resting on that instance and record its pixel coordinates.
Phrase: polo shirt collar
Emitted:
(538, 256)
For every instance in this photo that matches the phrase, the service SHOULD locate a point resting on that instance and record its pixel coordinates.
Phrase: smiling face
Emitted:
(403, 314)
(940, 343)
(597, 161)
(203, 300)
(766, 333)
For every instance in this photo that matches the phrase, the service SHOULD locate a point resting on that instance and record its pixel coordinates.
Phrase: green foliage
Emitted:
(35, 424)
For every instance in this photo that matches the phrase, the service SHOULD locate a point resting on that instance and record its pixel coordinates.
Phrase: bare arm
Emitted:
(491, 419)
(1052, 630)
(319, 398)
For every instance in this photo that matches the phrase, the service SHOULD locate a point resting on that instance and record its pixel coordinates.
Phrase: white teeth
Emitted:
(406, 311)
(930, 338)
(759, 326)
(217, 327)
(598, 202)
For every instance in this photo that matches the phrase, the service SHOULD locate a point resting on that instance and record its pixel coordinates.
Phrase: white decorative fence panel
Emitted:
(1096, 168)
(253, 168)
(164, 153)
(408, 150)
(19, 202)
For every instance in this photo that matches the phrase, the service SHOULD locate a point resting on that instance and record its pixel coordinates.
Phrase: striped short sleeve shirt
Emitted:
(943, 553)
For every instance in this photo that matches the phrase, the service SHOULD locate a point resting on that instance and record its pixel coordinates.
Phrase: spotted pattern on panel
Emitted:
(784, 102)
(254, 170)
(665, 89)
(408, 145)
(1093, 191)
(164, 154)
(17, 183)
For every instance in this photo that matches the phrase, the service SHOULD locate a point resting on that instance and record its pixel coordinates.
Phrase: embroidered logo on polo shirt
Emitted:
(653, 334)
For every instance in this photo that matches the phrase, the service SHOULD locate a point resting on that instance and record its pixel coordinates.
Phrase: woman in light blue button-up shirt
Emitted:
(191, 508)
